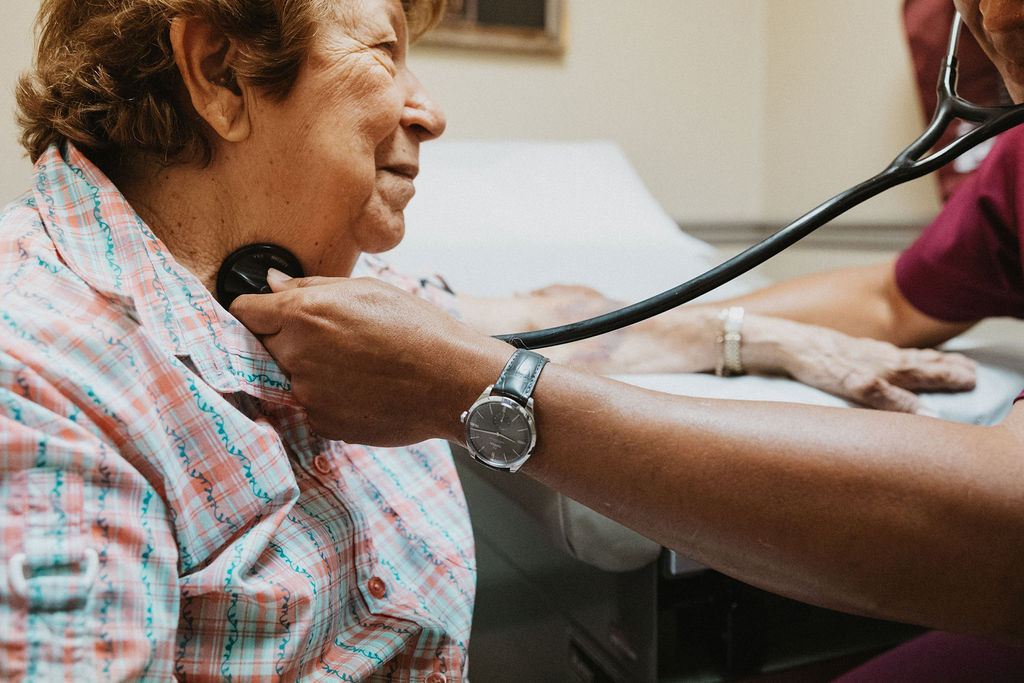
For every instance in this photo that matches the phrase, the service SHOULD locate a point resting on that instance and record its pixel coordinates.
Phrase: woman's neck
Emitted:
(189, 209)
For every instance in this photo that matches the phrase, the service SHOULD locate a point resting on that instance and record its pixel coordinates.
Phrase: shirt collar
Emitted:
(105, 242)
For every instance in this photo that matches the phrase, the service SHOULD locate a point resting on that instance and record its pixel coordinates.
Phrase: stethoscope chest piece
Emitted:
(244, 271)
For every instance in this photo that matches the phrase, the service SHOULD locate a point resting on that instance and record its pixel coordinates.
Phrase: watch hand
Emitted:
(498, 434)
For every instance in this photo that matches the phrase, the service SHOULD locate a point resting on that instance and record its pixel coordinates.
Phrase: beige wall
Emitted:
(730, 110)
(841, 104)
(678, 83)
(15, 55)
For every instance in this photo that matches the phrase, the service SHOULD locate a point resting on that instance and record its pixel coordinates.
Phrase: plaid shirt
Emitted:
(167, 512)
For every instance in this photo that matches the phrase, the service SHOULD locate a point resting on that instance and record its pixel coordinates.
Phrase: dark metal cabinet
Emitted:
(542, 615)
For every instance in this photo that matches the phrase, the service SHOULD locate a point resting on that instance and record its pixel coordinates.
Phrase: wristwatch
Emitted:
(500, 430)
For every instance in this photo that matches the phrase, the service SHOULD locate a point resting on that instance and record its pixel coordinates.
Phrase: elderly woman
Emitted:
(169, 511)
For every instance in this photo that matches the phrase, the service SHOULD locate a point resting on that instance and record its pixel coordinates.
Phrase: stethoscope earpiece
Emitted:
(244, 271)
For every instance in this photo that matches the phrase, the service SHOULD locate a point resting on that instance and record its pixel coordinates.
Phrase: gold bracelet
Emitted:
(730, 361)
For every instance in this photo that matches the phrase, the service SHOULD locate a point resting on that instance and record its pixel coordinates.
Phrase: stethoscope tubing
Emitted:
(913, 162)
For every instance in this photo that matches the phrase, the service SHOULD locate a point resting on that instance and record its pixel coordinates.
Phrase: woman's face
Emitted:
(999, 27)
(338, 156)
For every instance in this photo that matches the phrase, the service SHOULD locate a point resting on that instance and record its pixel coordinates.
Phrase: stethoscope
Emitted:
(245, 270)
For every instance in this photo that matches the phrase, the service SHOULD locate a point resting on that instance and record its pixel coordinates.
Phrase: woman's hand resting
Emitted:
(866, 371)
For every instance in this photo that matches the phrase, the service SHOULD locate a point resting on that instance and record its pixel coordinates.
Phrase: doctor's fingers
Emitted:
(300, 301)
(261, 313)
(331, 322)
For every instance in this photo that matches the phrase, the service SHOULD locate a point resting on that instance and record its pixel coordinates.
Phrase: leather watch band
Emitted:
(520, 375)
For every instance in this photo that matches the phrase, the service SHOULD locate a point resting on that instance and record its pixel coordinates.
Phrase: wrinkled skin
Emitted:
(865, 371)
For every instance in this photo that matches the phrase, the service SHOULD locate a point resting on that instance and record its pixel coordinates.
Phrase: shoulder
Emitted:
(432, 287)
(53, 325)
(35, 281)
(29, 260)
(997, 186)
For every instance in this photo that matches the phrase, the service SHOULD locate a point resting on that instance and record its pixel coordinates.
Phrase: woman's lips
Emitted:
(409, 171)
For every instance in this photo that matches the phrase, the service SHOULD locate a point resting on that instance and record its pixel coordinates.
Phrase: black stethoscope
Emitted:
(245, 270)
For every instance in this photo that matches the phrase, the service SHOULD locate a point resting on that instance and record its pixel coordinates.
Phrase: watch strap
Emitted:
(519, 376)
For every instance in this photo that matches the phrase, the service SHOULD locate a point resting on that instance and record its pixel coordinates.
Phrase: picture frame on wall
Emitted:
(531, 26)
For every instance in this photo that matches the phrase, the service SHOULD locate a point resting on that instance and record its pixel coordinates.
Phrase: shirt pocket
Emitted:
(50, 567)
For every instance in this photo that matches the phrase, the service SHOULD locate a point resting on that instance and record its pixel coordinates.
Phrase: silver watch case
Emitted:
(500, 431)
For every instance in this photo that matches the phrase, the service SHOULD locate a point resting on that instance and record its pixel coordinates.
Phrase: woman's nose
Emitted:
(1001, 16)
(421, 112)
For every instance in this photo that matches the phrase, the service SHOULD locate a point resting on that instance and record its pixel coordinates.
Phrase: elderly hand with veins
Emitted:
(865, 371)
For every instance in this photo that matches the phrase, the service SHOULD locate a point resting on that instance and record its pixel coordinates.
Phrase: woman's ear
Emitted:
(203, 55)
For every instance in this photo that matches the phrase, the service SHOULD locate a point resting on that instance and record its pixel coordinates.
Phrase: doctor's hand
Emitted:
(866, 371)
(370, 363)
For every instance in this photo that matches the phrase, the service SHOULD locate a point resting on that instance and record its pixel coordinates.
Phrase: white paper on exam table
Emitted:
(496, 218)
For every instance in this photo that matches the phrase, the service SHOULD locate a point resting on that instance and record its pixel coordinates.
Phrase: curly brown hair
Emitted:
(104, 76)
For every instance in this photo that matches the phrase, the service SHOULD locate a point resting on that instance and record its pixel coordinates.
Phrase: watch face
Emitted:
(499, 431)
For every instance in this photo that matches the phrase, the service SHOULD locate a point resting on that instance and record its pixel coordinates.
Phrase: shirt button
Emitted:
(322, 464)
(435, 677)
(377, 587)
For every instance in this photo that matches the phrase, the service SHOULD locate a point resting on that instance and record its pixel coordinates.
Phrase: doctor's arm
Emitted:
(895, 516)
(862, 302)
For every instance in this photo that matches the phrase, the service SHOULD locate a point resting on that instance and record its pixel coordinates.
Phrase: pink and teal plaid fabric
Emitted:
(167, 512)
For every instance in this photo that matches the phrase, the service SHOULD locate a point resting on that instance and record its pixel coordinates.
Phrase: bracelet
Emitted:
(730, 362)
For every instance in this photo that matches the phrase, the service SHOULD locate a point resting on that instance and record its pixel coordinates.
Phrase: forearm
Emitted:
(861, 302)
(681, 340)
(869, 512)
(687, 339)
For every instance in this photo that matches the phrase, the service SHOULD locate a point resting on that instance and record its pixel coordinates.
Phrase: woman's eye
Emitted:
(388, 46)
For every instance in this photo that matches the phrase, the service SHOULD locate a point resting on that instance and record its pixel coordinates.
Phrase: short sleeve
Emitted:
(88, 562)
(966, 265)
(431, 287)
